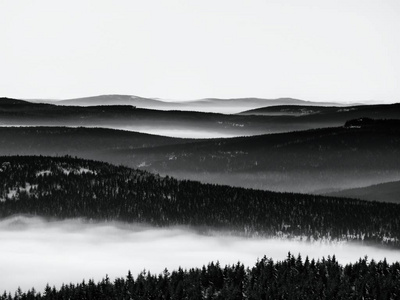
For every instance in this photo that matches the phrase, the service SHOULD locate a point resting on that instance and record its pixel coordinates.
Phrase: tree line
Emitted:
(292, 278)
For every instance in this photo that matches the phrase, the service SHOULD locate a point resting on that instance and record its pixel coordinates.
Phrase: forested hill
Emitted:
(328, 112)
(83, 142)
(64, 187)
(10, 103)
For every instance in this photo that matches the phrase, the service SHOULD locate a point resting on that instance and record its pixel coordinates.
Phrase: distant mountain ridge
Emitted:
(217, 105)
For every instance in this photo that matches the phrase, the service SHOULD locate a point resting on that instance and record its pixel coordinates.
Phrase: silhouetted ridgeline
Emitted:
(68, 188)
(293, 278)
(376, 111)
(80, 141)
(368, 122)
(10, 103)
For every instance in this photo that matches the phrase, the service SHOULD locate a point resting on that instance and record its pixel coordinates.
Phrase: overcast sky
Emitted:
(313, 50)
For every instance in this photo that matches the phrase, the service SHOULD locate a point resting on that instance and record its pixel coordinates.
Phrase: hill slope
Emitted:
(78, 141)
(328, 112)
(307, 161)
(12, 103)
(387, 192)
(69, 188)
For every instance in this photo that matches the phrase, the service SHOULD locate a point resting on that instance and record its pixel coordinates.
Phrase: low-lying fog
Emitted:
(182, 133)
(34, 252)
(192, 133)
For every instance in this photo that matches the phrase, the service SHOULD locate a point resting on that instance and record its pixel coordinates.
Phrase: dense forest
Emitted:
(293, 278)
(66, 187)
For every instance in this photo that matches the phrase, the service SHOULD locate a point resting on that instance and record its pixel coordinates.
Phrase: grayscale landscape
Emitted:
(199, 150)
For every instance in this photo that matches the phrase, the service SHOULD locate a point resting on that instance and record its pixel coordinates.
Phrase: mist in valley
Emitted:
(159, 130)
(36, 252)
(181, 132)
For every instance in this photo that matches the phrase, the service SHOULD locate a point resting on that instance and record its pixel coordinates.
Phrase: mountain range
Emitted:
(216, 105)
(183, 123)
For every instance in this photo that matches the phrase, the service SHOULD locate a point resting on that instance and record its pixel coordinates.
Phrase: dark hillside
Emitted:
(384, 192)
(392, 111)
(64, 187)
(81, 141)
(306, 161)
(4, 102)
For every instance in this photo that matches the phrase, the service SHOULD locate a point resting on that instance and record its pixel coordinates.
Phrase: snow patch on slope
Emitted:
(16, 191)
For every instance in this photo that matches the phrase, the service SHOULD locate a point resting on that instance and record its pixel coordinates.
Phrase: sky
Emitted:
(332, 50)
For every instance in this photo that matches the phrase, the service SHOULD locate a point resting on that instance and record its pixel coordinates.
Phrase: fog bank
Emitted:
(176, 132)
(34, 252)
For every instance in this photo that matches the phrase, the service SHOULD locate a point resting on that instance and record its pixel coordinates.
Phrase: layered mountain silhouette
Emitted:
(182, 123)
(318, 161)
(215, 105)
